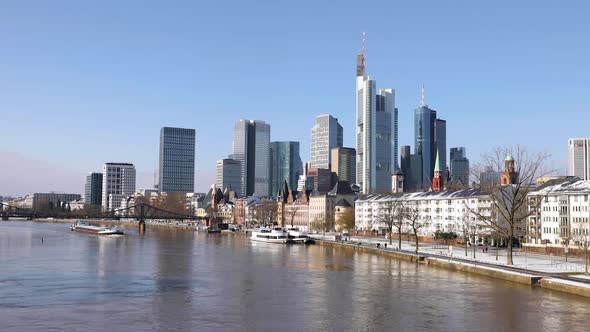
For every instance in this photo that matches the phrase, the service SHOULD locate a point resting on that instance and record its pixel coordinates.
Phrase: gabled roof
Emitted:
(343, 203)
(570, 184)
(341, 188)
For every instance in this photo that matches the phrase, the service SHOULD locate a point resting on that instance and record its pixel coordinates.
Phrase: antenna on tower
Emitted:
(423, 102)
(364, 51)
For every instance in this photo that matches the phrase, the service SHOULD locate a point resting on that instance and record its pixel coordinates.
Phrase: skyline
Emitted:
(479, 69)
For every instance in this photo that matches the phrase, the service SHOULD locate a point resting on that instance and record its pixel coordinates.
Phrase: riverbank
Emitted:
(526, 277)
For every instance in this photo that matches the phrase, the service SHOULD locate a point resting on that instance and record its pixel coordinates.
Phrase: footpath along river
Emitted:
(166, 280)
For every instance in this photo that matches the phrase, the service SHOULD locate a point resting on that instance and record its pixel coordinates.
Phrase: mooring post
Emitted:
(141, 220)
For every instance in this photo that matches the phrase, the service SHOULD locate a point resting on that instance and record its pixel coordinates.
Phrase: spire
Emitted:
(360, 60)
(437, 163)
(364, 49)
(423, 102)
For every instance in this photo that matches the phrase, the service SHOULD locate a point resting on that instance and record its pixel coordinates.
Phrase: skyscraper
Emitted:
(228, 175)
(252, 149)
(285, 165)
(344, 164)
(459, 166)
(579, 158)
(93, 189)
(118, 182)
(375, 123)
(430, 136)
(177, 160)
(326, 134)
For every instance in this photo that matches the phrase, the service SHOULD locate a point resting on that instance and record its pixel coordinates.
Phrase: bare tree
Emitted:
(582, 238)
(415, 220)
(508, 195)
(319, 224)
(468, 228)
(391, 214)
(292, 213)
(265, 213)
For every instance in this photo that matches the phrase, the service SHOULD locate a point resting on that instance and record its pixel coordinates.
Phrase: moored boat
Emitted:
(295, 235)
(85, 227)
(270, 235)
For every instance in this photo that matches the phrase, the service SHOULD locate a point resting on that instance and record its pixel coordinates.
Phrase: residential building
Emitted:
(375, 126)
(252, 149)
(322, 207)
(344, 163)
(561, 212)
(118, 183)
(440, 210)
(228, 174)
(93, 189)
(579, 158)
(459, 167)
(285, 165)
(326, 134)
(177, 160)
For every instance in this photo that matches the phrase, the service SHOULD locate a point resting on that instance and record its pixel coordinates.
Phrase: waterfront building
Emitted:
(376, 130)
(285, 165)
(93, 189)
(48, 201)
(579, 158)
(459, 167)
(252, 149)
(293, 208)
(228, 174)
(430, 138)
(177, 160)
(441, 211)
(326, 134)
(560, 212)
(118, 183)
(344, 163)
(322, 207)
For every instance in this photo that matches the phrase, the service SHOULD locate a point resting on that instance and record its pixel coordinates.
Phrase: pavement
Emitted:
(521, 258)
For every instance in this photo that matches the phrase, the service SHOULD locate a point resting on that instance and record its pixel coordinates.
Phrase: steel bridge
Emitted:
(140, 212)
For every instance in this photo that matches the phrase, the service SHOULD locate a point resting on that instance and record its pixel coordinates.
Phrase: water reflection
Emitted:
(178, 280)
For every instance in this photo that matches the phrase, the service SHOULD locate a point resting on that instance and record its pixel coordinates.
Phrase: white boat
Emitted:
(85, 227)
(296, 235)
(270, 235)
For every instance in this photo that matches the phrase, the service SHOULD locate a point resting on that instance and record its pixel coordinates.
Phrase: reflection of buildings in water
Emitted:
(174, 278)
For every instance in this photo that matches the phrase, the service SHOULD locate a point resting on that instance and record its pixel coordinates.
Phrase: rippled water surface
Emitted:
(52, 279)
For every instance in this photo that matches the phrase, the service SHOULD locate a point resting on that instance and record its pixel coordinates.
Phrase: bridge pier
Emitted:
(4, 217)
(141, 227)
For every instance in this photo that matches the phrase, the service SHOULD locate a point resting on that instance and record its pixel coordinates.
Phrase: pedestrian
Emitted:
(386, 246)
(378, 245)
(483, 249)
(486, 248)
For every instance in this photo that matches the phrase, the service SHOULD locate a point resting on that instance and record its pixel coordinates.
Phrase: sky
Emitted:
(88, 82)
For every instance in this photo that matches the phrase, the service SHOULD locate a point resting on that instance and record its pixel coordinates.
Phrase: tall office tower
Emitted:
(285, 165)
(326, 134)
(252, 149)
(430, 136)
(459, 166)
(579, 158)
(375, 123)
(385, 157)
(344, 164)
(118, 182)
(177, 160)
(228, 175)
(93, 189)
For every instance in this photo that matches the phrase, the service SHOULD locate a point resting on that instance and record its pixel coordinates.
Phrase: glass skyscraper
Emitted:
(285, 165)
(325, 135)
(177, 160)
(459, 166)
(430, 136)
(252, 149)
(93, 189)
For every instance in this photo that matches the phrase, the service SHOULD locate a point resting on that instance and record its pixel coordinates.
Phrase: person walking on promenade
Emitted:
(483, 249)
(385, 246)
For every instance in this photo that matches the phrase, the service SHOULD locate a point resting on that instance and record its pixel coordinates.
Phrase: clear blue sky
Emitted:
(83, 83)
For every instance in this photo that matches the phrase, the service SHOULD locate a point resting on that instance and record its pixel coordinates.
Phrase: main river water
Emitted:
(52, 279)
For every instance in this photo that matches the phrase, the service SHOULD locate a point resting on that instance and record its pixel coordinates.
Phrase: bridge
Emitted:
(140, 212)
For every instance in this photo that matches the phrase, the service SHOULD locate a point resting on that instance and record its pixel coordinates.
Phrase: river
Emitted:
(52, 279)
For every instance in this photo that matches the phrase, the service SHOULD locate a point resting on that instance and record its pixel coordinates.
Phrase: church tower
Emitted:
(437, 181)
(509, 176)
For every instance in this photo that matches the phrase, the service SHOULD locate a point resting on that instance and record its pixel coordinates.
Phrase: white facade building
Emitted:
(441, 211)
(579, 158)
(118, 183)
(563, 212)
